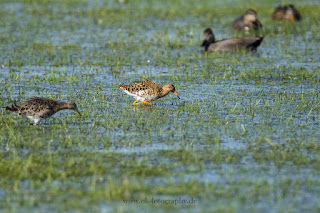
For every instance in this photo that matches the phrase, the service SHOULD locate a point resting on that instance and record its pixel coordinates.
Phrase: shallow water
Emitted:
(243, 137)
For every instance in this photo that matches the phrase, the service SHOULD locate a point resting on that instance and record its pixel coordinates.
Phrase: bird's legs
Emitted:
(146, 102)
(36, 122)
(135, 102)
(143, 102)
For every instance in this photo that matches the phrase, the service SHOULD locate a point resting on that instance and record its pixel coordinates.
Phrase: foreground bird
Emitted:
(37, 108)
(231, 44)
(247, 21)
(146, 90)
(286, 12)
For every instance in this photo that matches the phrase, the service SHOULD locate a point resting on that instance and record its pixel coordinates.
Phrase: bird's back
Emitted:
(238, 23)
(233, 44)
(278, 13)
(138, 86)
(36, 106)
(145, 89)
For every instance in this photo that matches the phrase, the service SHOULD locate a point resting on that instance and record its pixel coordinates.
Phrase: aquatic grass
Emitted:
(243, 137)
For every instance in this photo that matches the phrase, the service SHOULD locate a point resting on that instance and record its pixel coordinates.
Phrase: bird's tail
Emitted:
(256, 43)
(123, 87)
(13, 107)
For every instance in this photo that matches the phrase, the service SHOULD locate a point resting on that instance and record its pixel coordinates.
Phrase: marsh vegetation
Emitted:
(243, 137)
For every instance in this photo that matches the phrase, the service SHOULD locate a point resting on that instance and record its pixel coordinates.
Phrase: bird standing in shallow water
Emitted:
(37, 108)
(146, 90)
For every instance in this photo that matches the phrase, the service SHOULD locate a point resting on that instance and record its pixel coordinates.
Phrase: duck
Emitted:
(249, 20)
(287, 13)
(209, 43)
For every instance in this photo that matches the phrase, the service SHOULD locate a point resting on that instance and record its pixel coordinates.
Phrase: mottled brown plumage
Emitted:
(287, 13)
(147, 90)
(37, 108)
(231, 44)
(249, 20)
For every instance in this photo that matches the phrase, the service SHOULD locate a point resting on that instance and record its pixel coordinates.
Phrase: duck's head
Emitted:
(289, 12)
(250, 16)
(208, 38)
(291, 6)
(295, 13)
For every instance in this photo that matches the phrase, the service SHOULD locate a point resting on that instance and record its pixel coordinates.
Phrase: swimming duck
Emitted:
(247, 21)
(286, 12)
(231, 44)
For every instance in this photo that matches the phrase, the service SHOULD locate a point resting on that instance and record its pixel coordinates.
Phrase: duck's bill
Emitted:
(291, 18)
(204, 43)
(176, 94)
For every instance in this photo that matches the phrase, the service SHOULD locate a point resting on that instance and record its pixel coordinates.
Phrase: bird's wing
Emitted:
(238, 23)
(37, 106)
(141, 88)
(236, 43)
(150, 83)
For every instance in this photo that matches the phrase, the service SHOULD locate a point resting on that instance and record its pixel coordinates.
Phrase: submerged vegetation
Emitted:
(243, 137)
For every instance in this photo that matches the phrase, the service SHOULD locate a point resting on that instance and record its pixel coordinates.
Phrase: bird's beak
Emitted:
(291, 17)
(78, 111)
(176, 94)
(204, 43)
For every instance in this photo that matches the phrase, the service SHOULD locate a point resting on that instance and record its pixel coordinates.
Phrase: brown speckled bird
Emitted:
(230, 44)
(146, 90)
(286, 12)
(37, 108)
